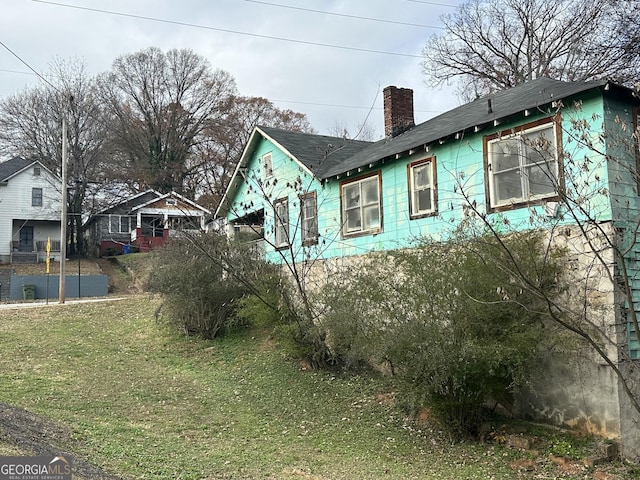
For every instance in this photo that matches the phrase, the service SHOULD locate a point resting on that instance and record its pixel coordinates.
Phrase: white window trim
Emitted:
(343, 207)
(119, 218)
(281, 223)
(413, 204)
(267, 163)
(526, 197)
(40, 198)
(309, 235)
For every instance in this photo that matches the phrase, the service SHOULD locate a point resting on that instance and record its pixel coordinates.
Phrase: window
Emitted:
(119, 224)
(361, 206)
(522, 166)
(281, 222)
(172, 202)
(267, 160)
(422, 190)
(36, 197)
(636, 140)
(309, 218)
(36, 171)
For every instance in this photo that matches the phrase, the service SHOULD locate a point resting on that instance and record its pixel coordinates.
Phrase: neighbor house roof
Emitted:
(10, 167)
(472, 116)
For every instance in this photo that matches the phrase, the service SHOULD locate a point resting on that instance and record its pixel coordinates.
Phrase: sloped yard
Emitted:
(109, 384)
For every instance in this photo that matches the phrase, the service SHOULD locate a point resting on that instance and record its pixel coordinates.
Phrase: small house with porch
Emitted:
(144, 221)
(30, 207)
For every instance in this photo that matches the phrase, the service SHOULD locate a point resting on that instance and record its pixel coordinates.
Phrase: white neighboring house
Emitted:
(30, 207)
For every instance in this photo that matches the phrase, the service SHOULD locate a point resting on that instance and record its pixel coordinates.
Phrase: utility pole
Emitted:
(63, 219)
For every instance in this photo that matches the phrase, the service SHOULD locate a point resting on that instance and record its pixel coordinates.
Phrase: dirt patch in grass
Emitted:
(40, 436)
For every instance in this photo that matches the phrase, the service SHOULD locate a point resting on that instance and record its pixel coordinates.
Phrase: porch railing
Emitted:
(38, 246)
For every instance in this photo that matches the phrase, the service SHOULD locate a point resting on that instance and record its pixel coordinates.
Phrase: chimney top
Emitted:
(398, 110)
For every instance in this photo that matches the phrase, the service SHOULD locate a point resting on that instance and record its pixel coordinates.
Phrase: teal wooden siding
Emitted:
(459, 166)
(625, 202)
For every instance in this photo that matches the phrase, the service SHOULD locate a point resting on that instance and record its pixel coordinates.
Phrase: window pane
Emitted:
(353, 220)
(423, 200)
(541, 180)
(371, 217)
(422, 176)
(124, 224)
(505, 155)
(114, 224)
(352, 195)
(370, 191)
(282, 224)
(539, 145)
(507, 186)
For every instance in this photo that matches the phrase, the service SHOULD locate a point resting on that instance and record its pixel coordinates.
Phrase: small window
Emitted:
(422, 188)
(36, 171)
(36, 197)
(309, 218)
(267, 160)
(119, 224)
(172, 202)
(361, 206)
(522, 166)
(281, 222)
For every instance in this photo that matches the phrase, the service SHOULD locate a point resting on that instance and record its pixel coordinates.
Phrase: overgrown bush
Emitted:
(199, 296)
(454, 322)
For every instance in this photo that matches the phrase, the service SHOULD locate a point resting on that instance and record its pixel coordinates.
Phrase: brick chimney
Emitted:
(398, 110)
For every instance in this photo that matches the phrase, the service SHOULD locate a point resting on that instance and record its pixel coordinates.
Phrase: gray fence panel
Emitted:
(90, 286)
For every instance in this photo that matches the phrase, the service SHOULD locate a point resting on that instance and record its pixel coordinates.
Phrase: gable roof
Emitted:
(130, 202)
(171, 194)
(316, 153)
(319, 153)
(10, 167)
(472, 116)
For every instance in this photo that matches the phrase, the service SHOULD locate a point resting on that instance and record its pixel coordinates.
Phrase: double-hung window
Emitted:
(309, 218)
(119, 224)
(522, 166)
(422, 188)
(361, 206)
(281, 223)
(36, 197)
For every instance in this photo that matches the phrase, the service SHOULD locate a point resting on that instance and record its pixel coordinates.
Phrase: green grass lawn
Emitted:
(143, 402)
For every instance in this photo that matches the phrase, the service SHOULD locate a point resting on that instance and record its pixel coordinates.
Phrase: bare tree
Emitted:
(159, 105)
(491, 45)
(31, 127)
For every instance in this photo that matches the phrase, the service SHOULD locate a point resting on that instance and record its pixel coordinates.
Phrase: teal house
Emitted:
(320, 196)
(545, 154)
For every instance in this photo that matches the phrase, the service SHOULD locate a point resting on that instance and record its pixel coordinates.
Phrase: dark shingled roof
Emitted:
(10, 167)
(528, 96)
(318, 153)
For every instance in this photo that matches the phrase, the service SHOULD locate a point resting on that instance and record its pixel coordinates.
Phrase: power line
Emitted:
(358, 17)
(35, 72)
(434, 3)
(346, 106)
(236, 32)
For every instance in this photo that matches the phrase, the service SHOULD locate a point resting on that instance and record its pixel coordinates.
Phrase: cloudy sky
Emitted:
(329, 59)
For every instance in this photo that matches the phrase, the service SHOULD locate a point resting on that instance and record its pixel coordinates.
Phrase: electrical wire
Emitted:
(225, 30)
(357, 17)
